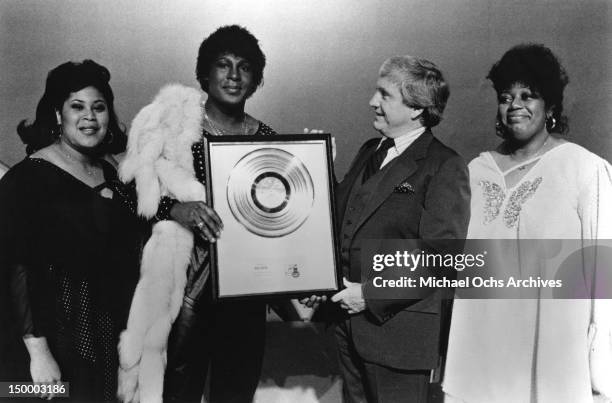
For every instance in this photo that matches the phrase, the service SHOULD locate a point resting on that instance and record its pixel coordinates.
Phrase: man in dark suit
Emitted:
(403, 185)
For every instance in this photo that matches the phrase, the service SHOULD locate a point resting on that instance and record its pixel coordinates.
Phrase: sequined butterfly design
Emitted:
(494, 197)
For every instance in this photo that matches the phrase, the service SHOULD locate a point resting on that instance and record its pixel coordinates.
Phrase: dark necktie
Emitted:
(374, 162)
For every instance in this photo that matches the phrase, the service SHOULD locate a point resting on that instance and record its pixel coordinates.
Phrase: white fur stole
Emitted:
(160, 161)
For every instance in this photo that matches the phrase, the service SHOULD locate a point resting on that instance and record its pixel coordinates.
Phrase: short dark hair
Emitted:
(63, 80)
(421, 84)
(536, 67)
(235, 40)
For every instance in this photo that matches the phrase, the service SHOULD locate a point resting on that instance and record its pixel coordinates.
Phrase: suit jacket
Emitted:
(434, 204)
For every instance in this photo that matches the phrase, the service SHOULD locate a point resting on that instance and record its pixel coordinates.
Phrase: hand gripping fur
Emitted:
(160, 161)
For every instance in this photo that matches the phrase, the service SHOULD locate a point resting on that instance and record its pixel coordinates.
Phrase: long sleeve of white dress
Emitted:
(538, 350)
(595, 211)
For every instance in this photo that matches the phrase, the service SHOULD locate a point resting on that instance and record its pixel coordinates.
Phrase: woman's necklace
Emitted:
(532, 157)
(218, 131)
(89, 171)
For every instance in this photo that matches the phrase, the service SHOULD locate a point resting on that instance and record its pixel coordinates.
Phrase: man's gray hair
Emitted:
(421, 84)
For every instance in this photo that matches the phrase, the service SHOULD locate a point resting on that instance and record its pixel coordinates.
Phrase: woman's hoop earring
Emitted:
(551, 122)
(57, 132)
(499, 129)
(108, 139)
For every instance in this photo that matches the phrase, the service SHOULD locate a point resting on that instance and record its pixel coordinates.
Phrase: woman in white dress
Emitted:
(535, 185)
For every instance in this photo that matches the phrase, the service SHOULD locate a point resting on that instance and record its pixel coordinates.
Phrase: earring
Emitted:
(551, 122)
(108, 139)
(57, 132)
(499, 129)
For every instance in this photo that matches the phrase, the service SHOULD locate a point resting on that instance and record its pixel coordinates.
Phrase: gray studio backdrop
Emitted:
(323, 57)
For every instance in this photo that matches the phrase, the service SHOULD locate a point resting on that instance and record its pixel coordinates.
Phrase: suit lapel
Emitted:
(402, 167)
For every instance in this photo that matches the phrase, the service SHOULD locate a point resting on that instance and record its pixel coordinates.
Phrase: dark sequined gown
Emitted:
(69, 266)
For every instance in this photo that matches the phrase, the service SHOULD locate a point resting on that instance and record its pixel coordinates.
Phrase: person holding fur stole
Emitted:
(173, 302)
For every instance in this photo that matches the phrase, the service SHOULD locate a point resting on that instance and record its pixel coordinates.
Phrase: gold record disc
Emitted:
(270, 192)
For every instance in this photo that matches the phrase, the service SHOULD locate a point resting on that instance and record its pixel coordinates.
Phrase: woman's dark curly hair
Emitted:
(63, 80)
(536, 67)
(235, 40)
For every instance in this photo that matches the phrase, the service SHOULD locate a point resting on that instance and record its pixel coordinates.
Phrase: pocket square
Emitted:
(404, 187)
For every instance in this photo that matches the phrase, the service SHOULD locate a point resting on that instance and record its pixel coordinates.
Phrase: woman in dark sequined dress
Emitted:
(70, 241)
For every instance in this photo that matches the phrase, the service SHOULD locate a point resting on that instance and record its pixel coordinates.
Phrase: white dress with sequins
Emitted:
(529, 350)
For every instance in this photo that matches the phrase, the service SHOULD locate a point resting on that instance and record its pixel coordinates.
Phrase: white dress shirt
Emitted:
(401, 144)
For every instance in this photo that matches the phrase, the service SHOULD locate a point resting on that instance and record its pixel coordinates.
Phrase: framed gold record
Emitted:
(270, 192)
(275, 197)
